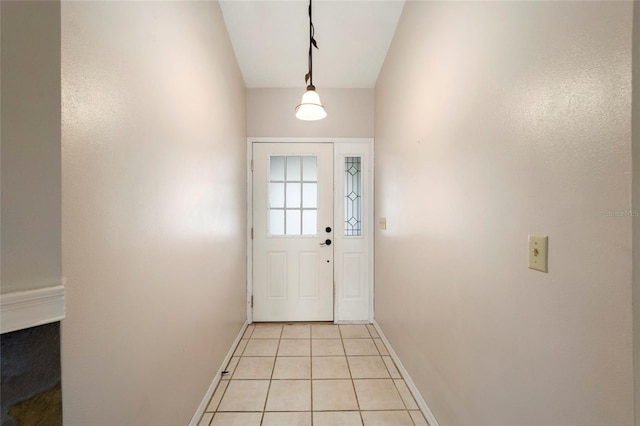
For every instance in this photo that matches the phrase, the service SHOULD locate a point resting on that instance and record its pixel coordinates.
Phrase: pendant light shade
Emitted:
(310, 108)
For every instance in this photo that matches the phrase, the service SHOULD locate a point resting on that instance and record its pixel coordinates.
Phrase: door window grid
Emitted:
(352, 196)
(293, 195)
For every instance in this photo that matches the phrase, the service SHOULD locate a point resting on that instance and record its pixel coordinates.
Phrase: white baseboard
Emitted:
(347, 322)
(426, 411)
(216, 379)
(30, 308)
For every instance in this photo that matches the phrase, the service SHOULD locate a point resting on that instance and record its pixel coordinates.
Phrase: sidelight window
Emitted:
(353, 196)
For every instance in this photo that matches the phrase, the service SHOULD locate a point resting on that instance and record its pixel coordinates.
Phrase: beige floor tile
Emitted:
(287, 419)
(292, 367)
(391, 366)
(327, 347)
(381, 347)
(296, 331)
(325, 331)
(298, 347)
(335, 418)
(373, 331)
(240, 348)
(217, 396)
(254, 368)
(289, 395)
(244, 395)
(267, 331)
(354, 331)
(330, 367)
(334, 395)
(418, 418)
(237, 419)
(378, 394)
(248, 331)
(206, 419)
(231, 367)
(405, 394)
(359, 347)
(386, 418)
(368, 367)
(288, 386)
(261, 347)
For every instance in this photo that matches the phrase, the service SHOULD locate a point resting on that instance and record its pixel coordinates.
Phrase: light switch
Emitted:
(382, 223)
(538, 248)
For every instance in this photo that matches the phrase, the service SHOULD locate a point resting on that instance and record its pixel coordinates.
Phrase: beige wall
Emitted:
(636, 204)
(30, 104)
(493, 121)
(153, 207)
(271, 113)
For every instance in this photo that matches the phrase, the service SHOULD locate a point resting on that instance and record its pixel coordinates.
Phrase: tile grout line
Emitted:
(273, 368)
(400, 393)
(215, 411)
(309, 339)
(404, 404)
(353, 385)
(424, 409)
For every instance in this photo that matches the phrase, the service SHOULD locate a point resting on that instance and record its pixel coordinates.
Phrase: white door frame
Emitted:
(368, 218)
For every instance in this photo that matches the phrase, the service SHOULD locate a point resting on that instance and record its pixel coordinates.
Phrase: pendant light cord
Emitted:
(312, 43)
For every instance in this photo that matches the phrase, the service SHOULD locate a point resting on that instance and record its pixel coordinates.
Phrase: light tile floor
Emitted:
(312, 375)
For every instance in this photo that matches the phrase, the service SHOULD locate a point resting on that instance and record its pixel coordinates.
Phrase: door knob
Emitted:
(327, 242)
(328, 229)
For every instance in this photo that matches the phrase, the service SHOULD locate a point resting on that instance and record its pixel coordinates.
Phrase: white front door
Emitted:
(293, 232)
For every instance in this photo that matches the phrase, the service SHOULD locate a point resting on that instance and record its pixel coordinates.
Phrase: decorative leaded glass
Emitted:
(352, 196)
(293, 195)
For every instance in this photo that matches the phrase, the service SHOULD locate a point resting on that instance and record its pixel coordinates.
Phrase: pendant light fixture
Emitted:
(310, 108)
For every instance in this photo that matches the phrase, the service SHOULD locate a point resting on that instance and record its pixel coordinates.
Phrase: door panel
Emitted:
(292, 207)
(277, 276)
(309, 276)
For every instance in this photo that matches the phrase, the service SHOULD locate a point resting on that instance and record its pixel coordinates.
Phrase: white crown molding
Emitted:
(30, 308)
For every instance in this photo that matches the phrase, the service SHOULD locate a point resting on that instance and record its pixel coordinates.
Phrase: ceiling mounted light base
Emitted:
(310, 108)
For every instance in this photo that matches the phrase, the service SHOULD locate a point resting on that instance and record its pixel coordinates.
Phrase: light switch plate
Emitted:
(538, 249)
(382, 223)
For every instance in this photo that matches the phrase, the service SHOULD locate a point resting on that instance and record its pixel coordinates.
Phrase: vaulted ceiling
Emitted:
(271, 40)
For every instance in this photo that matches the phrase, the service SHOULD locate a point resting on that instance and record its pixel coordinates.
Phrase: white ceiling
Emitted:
(271, 40)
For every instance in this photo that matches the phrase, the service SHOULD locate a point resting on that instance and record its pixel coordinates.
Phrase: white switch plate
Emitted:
(538, 249)
(382, 223)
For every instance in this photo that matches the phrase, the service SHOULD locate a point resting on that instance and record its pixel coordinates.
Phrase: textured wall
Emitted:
(153, 153)
(495, 120)
(636, 203)
(30, 105)
(271, 113)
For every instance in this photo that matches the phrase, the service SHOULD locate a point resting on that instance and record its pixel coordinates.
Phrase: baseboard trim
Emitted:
(426, 411)
(30, 308)
(195, 420)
